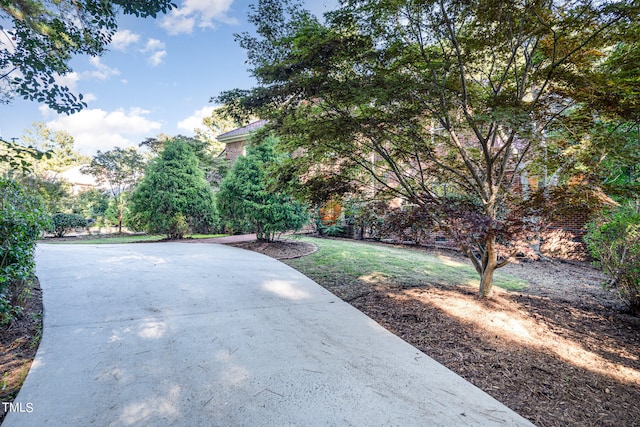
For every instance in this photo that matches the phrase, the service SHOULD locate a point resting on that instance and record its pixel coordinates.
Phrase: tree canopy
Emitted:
(119, 169)
(430, 101)
(45, 35)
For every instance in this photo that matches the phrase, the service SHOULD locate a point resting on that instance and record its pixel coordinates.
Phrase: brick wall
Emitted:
(572, 221)
(234, 150)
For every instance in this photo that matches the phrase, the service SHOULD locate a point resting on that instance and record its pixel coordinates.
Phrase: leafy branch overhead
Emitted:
(44, 36)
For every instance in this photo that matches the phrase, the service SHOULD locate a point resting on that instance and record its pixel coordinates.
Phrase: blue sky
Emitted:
(157, 77)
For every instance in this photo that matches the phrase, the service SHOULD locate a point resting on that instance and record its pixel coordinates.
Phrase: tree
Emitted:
(46, 35)
(214, 125)
(59, 145)
(245, 195)
(598, 138)
(440, 103)
(174, 197)
(55, 193)
(120, 169)
(17, 158)
(93, 204)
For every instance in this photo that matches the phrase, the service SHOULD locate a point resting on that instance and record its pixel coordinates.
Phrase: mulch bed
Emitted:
(18, 346)
(588, 376)
(280, 249)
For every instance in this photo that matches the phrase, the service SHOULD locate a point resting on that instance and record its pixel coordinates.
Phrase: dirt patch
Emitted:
(18, 346)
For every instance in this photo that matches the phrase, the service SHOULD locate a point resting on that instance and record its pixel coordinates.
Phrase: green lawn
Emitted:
(342, 261)
(133, 238)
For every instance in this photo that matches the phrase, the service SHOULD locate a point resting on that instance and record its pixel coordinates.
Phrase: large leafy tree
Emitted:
(38, 39)
(439, 102)
(213, 125)
(119, 169)
(245, 195)
(174, 197)
(58, 144)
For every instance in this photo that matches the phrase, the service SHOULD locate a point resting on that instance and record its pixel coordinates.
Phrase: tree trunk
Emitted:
(488, 267)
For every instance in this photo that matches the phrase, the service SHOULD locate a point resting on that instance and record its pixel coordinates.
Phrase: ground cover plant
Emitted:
(560, 350)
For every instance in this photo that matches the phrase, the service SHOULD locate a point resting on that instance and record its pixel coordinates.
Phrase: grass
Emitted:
(348, 261)
(131, 238)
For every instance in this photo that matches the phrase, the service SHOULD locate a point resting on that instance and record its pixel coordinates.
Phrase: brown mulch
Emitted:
(280, 249)
(18, 346)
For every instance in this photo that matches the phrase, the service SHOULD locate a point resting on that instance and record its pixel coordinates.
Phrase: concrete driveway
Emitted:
(174, 334)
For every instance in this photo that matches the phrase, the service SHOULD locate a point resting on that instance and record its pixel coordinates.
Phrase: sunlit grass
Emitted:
(131, 238)
(346, 261)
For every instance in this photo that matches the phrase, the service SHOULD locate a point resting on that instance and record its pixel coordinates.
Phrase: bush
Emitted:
(62, 223)
(22, 219)
(614, 241)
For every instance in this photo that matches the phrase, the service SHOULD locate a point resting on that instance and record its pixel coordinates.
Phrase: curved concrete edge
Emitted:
(200, 334)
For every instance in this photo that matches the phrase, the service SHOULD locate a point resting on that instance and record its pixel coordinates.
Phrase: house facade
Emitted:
(235, 141)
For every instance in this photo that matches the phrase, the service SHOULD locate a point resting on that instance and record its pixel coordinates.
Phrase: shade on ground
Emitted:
(174, 334)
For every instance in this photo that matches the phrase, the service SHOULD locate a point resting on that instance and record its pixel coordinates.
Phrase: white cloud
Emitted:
(156, 58)
(69, 80)
(194, 121)
(123, 38)
(96, 129)
(155, 49)
(153, 45)
(101, 71)
(89, 97)
(200, 13)
(45, 111)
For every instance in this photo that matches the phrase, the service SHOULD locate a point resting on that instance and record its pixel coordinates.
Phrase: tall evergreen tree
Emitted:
(174, 197)
(245, 195)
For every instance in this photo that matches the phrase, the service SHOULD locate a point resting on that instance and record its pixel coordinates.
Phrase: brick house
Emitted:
(235, 141)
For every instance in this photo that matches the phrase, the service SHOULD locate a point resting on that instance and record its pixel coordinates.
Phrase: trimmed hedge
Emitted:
(62, 223)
